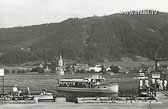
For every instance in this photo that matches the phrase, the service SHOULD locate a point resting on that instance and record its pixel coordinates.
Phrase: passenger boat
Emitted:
(93, 85)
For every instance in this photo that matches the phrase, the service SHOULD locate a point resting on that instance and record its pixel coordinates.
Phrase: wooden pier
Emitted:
(118, 100)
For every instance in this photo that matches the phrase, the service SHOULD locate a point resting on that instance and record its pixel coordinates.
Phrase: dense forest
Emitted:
(106, 38)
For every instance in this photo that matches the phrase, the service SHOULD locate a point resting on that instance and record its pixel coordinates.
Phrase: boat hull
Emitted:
(88, 90)
(108, 91)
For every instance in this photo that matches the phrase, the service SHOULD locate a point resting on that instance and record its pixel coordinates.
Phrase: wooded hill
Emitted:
(94, 38)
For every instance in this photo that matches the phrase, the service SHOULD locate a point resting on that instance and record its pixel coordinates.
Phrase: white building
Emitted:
(97, 68)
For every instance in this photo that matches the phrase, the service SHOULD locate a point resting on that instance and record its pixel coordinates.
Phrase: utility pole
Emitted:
(3, 83)
(156, 65)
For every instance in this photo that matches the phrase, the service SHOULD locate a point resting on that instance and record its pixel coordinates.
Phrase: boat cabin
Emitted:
(81, 83)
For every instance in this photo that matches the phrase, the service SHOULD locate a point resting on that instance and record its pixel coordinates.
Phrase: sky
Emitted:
(33, 12)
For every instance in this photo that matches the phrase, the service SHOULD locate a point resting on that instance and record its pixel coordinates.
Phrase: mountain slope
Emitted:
(94, 38)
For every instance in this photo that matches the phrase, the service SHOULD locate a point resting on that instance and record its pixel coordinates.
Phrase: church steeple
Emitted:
(60, 62)
(61, 65)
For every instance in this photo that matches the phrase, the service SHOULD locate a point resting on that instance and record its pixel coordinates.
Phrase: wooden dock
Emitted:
(118, 100)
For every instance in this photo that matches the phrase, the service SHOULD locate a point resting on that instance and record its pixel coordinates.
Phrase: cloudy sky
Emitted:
(31, 12)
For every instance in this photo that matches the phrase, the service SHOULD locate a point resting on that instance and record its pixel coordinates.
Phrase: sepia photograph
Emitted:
(83, 54)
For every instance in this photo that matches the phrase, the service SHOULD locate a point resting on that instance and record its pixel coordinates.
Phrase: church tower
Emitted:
(61, 65)
(60, 62)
